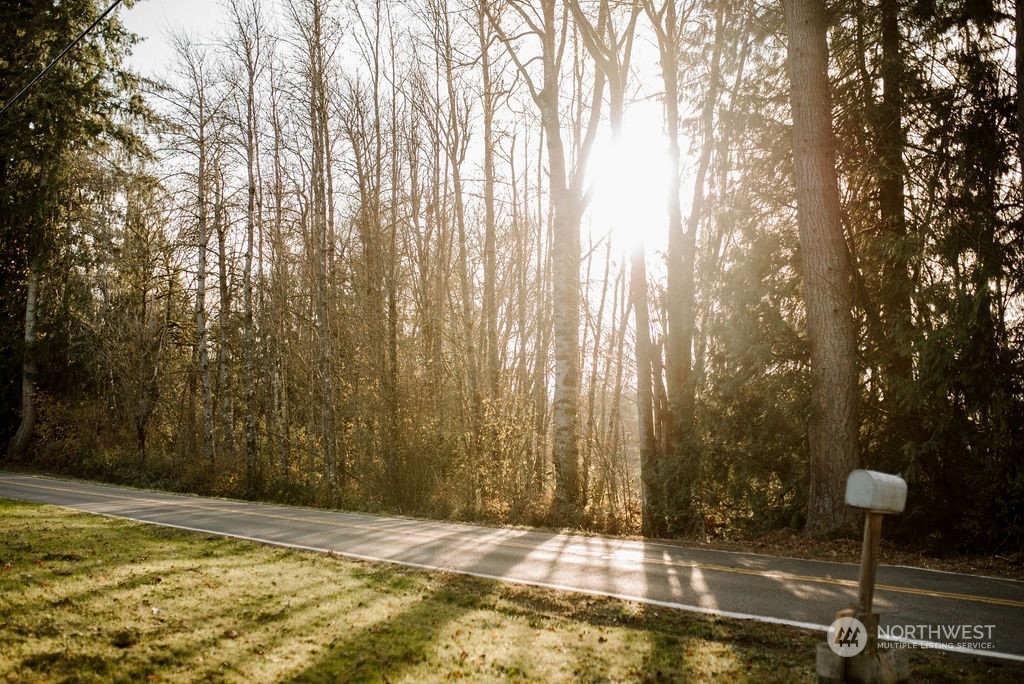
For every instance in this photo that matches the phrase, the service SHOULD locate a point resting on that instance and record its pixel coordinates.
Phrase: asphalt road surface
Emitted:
(963, 613)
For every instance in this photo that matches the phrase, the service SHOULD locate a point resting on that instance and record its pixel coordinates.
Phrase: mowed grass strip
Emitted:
(90, 599)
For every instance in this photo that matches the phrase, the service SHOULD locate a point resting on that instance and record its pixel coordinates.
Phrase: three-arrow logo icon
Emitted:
(847, 636)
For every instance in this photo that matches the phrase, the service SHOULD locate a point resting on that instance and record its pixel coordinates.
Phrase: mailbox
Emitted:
(879, 494)
(876, 492)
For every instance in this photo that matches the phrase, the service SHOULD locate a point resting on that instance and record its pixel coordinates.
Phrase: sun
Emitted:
(631, 183)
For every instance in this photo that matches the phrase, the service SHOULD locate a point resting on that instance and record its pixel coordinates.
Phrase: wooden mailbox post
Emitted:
(877, 494)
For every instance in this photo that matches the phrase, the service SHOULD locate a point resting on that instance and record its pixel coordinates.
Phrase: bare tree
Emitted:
(221, 226)
(252, 50)
(274, 325)
(549, 29)
(1018, 8)
(139, 307)
(454, 134)
(375, 222)
(678, 464)
(198, 105)
(318, 40)
(490, 95)
(611, 47)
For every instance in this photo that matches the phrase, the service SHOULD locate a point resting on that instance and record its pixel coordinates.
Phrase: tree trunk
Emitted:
(826, 270)
(250, 51)
(317, 50)
(895, 297)
(567, 203)
(1019, 45)
(202, 353)
(18, 445)
(683, 470)
(251, 475)
(651, 484)
(279, 420)
(226, 394)
(455, 148)
(490, 305)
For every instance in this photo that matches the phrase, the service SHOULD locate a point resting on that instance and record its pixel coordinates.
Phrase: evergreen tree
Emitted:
(84, 103)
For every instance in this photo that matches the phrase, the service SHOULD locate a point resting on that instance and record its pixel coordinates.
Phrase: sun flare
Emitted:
(631, 182)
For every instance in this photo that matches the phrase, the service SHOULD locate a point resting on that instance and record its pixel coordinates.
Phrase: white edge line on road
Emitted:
(577, 590)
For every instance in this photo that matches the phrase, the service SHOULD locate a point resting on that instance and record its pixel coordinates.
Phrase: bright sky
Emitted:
(629, 205)
(153, 20)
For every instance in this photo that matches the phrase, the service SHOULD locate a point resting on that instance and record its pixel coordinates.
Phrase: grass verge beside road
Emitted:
(91, 599)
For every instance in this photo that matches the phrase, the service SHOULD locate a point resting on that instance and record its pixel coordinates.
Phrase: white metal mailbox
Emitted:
(876, 492)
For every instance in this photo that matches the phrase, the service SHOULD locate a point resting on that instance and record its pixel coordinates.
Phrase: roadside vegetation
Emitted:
(90, 599)
(347, 254)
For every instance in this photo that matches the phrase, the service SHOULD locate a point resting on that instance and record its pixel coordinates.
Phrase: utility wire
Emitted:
(59, 57)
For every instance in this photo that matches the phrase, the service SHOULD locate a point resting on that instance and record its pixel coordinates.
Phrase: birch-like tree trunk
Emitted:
(568, 201)
(317, 33)
(202, 350)
(202, 336)
(489, 108)
(198, 108)
(250, 49)
(320, 135)
(29, 367)
(279, 418)
(225, 394)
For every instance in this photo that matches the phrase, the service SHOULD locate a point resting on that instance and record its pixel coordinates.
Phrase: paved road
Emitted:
(921, 606)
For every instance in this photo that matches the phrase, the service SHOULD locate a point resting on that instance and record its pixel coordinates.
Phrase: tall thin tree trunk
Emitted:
(828, 290)
(490, 313)
(251, 475)
(543, 333)
(248, 40)
(202, 351)
(1019, 49)
(249, 337)
(455, 148)
(315, 43)
(567, 202)
(390, 271)
(227, 400)
(279, 422)
(18, 445)
(674, 421)
(895, 300)
(651, 483)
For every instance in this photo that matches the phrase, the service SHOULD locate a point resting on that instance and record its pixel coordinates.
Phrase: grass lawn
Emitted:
(91, 599)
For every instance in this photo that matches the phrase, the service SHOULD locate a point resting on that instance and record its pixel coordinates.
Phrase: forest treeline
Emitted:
(345, 255)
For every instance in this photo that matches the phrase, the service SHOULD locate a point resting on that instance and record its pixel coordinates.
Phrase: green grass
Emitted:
(91, 599)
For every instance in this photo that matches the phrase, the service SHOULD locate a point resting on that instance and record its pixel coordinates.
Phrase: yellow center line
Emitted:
(601, 554)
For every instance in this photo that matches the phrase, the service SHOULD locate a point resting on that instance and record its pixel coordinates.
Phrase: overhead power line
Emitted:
(56, 59)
